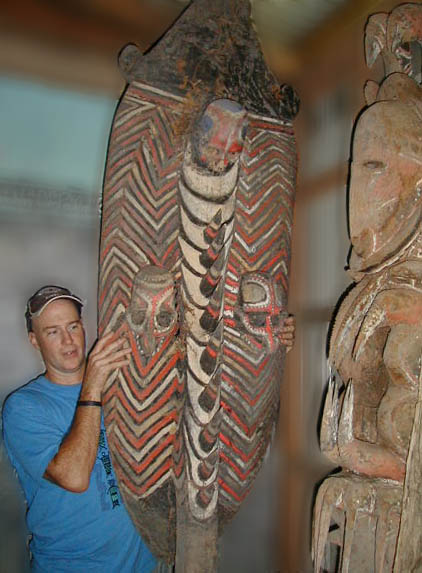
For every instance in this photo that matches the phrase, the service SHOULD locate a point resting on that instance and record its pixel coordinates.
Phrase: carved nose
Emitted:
(147, 343)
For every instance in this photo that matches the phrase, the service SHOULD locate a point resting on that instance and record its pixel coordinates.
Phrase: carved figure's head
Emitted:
(218, 137)
(404, 39)
(261, 308)
(386, 175)
(152, 313)
(398, 37)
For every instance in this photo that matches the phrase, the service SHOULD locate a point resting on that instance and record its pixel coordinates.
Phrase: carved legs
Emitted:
(356, 523)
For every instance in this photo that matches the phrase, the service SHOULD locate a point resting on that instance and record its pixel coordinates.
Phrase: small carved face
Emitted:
(152, 313)
(261, 308)
(409, 58)
(219, 136)
(404, 37)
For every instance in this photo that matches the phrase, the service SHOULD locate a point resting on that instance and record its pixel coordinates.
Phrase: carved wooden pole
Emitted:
(207, 202)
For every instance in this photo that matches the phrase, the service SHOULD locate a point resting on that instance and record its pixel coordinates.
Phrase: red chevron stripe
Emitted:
(135, 487)
(242, 475)
(245, 363)
(246, 397)
(233, 494)
(138, 468)
(138, 443)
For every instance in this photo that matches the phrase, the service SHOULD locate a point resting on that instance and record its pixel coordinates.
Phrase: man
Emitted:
(55, 439)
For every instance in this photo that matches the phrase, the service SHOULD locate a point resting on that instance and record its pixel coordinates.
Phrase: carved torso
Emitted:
(377, 345)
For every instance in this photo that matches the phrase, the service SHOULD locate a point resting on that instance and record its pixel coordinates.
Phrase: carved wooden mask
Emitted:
(386, 177)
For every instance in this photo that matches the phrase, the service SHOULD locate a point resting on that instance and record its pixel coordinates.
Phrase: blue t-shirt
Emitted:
(89, 531)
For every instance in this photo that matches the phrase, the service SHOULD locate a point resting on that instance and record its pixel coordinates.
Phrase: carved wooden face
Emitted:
(152, 313)
(385, 184)
(219, 135)
(261, 308)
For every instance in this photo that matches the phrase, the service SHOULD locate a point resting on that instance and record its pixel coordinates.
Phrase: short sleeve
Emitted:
(30, 436)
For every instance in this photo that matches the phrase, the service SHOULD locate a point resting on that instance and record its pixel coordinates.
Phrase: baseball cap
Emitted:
(43, 297)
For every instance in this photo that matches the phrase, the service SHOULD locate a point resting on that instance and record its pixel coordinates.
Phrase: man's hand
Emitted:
(71, 467)
(287, 332)
(109, 353)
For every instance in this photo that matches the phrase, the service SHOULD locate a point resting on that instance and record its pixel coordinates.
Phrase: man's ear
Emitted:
(33, 340)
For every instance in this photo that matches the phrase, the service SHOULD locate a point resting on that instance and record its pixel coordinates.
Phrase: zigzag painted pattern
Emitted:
(251, 377)
(140, 218)
(142, 419)
(143, 406)
(140, 225)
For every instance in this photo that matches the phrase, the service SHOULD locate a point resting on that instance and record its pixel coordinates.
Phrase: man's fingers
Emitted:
(287, 332)
(112, 366)
(104, 359)
(118, 364)
(101, 343)
(115, 355)
(108, 344)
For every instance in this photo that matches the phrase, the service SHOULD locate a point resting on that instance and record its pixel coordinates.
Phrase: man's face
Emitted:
(59, 335)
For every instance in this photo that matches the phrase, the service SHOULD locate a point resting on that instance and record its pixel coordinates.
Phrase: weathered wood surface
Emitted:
(367, 517)
(409, 543)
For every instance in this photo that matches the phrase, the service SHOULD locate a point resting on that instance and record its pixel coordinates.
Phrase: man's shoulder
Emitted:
(34, 385)
(24, 394)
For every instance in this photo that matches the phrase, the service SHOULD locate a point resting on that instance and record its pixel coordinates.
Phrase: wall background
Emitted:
(52, 150)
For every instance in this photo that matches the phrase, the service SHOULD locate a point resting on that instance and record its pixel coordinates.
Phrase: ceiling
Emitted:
(288, 21)
(77, 41)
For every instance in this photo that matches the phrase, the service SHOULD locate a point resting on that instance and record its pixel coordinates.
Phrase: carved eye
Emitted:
(138, 316)
(164, 319)
(257, 318)
(375, 166)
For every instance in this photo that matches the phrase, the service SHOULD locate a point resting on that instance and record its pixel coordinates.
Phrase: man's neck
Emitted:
(65, 378)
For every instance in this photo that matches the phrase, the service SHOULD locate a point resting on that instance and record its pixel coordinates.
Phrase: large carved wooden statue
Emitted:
(195, 248)
(368, 515)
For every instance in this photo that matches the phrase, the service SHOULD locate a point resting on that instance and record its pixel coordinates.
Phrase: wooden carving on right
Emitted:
(367, 516)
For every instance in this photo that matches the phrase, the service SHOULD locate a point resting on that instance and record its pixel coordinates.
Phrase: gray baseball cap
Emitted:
(43, 297)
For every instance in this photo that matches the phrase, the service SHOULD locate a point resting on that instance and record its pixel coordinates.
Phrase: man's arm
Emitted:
(71, 467)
